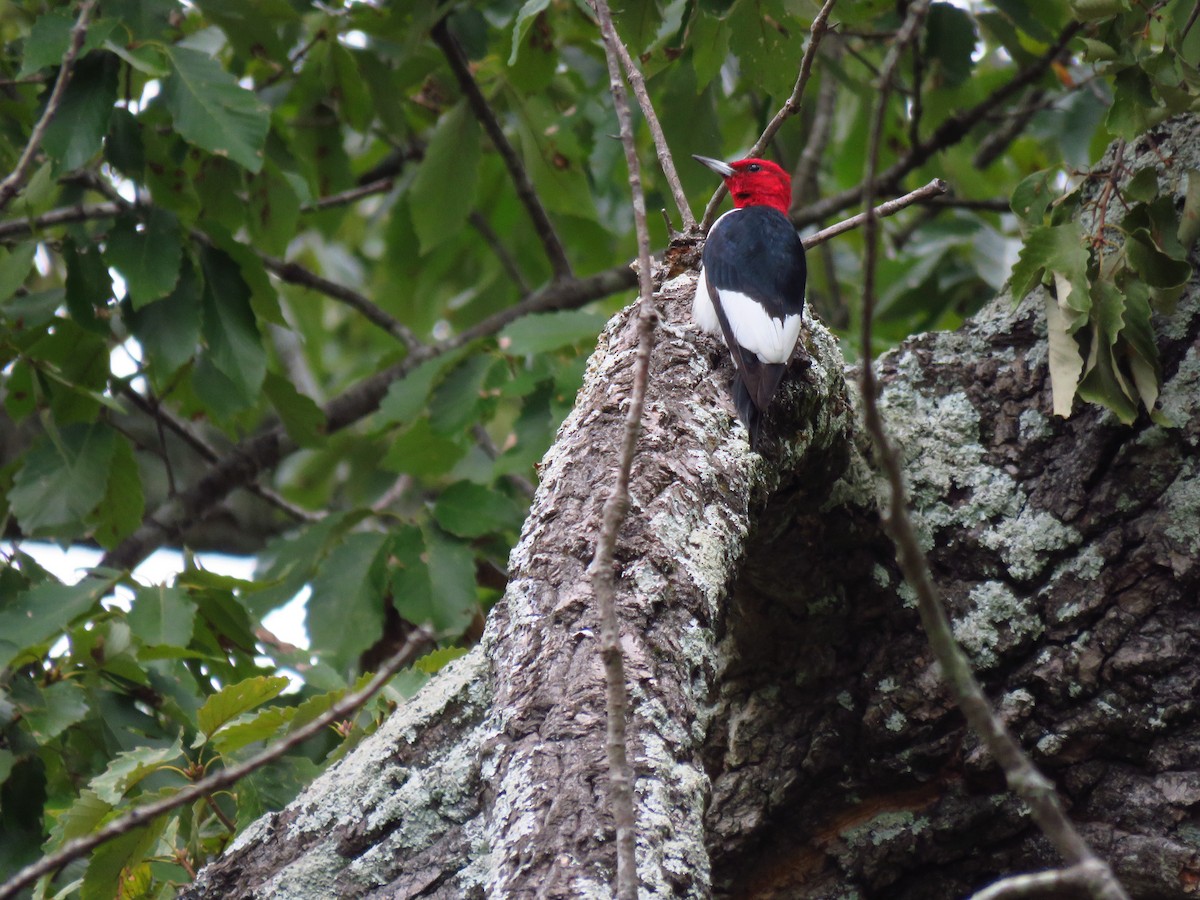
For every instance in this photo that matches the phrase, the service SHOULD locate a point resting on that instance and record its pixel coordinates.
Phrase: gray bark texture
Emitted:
(791, 736)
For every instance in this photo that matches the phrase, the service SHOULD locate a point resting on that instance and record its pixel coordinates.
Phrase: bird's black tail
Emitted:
(752, 391)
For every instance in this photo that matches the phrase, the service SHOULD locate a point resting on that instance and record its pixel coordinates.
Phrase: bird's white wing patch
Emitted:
(702, 308)
(772, 340)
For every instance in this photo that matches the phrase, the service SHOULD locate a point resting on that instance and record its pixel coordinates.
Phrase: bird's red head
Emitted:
(754, 182)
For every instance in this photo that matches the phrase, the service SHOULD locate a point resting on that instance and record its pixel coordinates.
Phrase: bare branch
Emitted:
(890, 207)
(67, 215)
(804, 177)
(294, 273)
(493, 241)
(164, 418)
(205, 787)
(790, 107)
(638, 84)
(1084, 876)
(516, 171)
(378, 186)
(12, 184)
(1022, 776)
(620, 773)
(949, 133)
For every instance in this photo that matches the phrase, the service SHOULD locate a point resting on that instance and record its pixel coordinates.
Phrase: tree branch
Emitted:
(12, 184)
(67, 215)
(790, 107)
(620, 773)
(949, 133)
(1022, 776)
(516, 171)
(890, 207)
(1085, 876)
(155, 410)
(638, 84)
(419, 639)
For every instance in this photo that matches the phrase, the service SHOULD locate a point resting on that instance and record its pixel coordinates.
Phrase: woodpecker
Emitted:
(751, 285)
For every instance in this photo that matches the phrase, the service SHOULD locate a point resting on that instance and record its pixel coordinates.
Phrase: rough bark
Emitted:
(792, 737)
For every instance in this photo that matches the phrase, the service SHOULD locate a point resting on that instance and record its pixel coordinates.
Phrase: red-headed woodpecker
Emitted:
(751, 286)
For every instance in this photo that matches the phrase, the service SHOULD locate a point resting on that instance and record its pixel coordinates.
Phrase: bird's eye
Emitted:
(754, 167)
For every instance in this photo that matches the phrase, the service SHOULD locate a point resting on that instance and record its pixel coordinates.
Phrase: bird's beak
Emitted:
(722, 169)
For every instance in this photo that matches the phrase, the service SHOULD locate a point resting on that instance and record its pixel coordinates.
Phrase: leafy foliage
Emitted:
(292, 221)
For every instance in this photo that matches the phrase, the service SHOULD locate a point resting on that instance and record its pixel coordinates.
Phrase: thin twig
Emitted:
(378, 186)
(12, 184)
(1022, 776)
(789, 108)
(949, 133)
(294, 273)
(887, 208)
(66, 215)
(808, 166)
(638, 84)
(620, 773)
(165, 418)
(516, 171)
(1085, 875)
(418, 640)
(497, 247)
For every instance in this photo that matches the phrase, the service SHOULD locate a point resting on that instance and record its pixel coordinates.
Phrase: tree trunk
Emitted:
(791, 737)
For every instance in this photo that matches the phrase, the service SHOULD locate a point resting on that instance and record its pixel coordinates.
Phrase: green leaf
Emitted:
(230, 702)
(344, 614)
(471, 510)
(63, 704)
(444, 188)
(230, 329)
(456, 400)
(47, 42)
(1093, 10)
(274, 210)
(104, 878)
(263, 726)
(162, 615)
(169, 329)
(1060, 249)
(62, 481)
(76, 133)
(406, 398)
(148, 256)
(1138, 340)
(15, 266)
(212, 111)
(423, 452)
(1157, 269)
(1189, 220)
(950, 42)
(89, 287)
(452, 576)
(433, 662)
(1032, 197)
(132, 766)
(255, 27)
(1134, 108)
(120, 513)
(550, 331)
(1143, 186)
(303, 420)
(408, 578)
(525, 18)
(708, 37)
